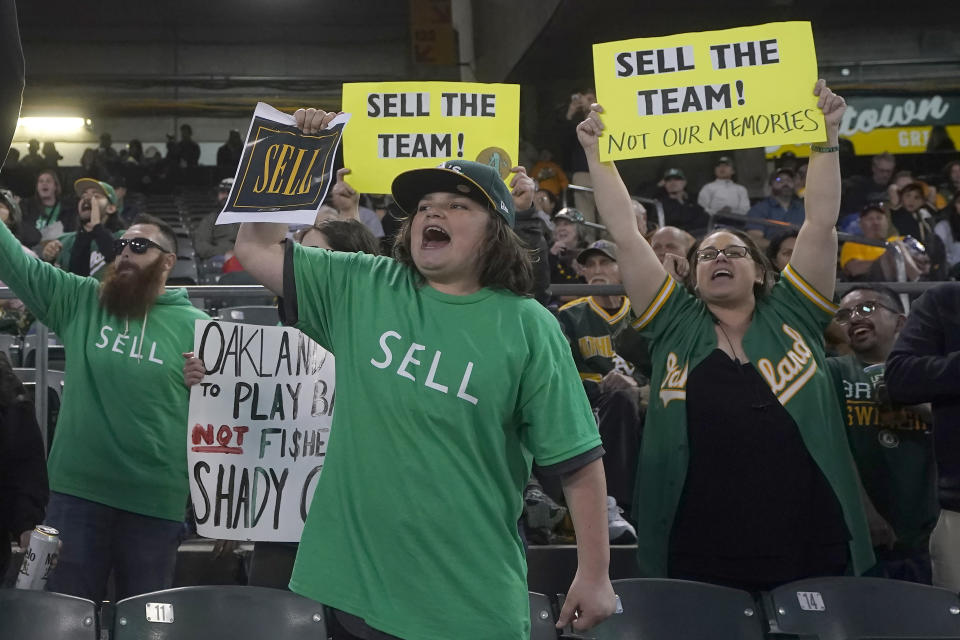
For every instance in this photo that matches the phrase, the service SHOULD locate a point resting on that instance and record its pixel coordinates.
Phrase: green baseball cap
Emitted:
(83, 184)
(477, 181)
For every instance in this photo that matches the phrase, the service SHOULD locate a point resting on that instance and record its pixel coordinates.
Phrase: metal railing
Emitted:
(646, 202)
(904, 289)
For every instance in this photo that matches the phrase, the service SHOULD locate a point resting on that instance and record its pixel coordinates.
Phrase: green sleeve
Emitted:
(799, 302)
(67, 241)
(556, 419)
(667, 314)
(326, 283)
(52, 295)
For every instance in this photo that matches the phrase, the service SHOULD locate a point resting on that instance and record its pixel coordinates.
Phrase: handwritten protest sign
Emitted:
(730, 89)
(399, 126)
(284, 174)
(258, 430)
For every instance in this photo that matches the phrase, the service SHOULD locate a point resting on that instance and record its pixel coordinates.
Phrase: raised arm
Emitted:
(345, 199)
(815, 254)
(258, 246)
(642, 273)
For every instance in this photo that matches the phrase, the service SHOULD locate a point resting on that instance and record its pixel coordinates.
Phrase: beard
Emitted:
(130, 291)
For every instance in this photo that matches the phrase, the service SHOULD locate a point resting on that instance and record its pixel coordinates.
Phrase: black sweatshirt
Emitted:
(23, 475)
(924, 366)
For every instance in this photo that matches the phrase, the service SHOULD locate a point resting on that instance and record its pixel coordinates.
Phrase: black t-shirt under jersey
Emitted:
(755, 507)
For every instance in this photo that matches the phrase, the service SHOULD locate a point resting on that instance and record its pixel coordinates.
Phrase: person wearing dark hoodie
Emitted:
(23, 465)
(89, 249)
(118, 467)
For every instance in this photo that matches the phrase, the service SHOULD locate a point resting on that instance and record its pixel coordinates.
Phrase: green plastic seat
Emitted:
(656, 609)
(40, 615)
(543, 620)
(848, 608)
(231, 612)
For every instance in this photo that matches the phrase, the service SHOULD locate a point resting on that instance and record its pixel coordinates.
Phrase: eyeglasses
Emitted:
(137, 245)
(864, 310)
(733, 251)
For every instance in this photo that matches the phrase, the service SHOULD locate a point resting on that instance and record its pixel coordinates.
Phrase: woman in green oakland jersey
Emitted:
(451, 381)
(745, 476)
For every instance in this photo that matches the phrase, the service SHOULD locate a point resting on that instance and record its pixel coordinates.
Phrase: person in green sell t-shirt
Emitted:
(451, 380)
(745, 475)
(892, 446)
(118, 466)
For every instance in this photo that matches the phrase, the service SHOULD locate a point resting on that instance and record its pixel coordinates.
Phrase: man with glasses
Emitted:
(891, 445)
(924, 366)
(118, 468)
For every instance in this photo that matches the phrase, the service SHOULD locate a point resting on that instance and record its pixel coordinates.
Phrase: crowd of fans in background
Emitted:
(897, 226)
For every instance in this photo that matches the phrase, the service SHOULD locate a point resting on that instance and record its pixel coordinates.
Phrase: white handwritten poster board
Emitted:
(258, 430)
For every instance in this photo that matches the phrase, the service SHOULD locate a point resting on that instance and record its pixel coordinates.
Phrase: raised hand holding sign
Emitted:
(286, 167)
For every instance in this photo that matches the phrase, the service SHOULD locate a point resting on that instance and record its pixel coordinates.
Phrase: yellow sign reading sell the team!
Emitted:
(398, 126)
(708, 91)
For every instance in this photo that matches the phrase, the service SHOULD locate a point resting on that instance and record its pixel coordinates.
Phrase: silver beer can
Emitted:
(39, 558)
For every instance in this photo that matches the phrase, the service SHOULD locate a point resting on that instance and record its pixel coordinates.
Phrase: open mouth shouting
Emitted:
(435, 237)
(722, 272)
(860, 331)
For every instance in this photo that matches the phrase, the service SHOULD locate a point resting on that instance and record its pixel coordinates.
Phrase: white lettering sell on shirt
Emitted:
(410, 361)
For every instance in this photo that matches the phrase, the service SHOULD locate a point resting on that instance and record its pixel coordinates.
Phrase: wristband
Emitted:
(821, 149)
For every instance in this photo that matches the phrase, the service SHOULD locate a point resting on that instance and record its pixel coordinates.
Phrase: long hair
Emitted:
(57, 190)
(774, 248)
(504, 262)
(349, 236)
(768, 273)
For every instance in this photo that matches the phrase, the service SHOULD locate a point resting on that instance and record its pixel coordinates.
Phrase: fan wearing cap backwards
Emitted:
(74, 251)
(451, 381)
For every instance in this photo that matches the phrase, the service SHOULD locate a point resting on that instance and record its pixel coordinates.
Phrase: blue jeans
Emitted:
(140, 550)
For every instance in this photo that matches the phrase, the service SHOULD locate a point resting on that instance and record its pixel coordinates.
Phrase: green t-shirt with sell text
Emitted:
(443, 402)
(121, 437)
(894, 455)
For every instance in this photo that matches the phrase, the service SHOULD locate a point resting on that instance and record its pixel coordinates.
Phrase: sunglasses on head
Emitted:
(864, 310)
(710, 253)
(137, 245)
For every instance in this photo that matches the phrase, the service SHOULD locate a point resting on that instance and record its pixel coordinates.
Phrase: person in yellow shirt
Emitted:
(869, 262)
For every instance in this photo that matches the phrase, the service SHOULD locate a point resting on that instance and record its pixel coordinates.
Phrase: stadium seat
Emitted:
(243, 278)
(542, 618)
(842, 608)
(56, 355)
(184, 273)
(263, 315)
(9, 345)
(550, 568)
(39, 615)
(673, 609)
(236, 613)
